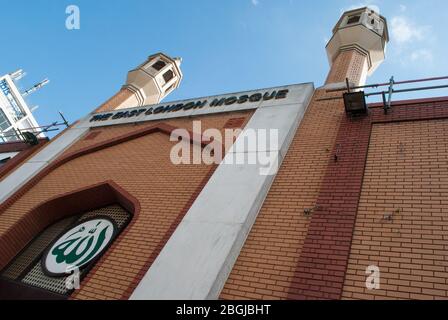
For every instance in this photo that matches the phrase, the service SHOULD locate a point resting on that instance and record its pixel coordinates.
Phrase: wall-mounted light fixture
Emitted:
(355, 103)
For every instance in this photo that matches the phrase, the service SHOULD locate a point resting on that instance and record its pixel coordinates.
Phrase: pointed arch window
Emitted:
(68, 247)
(167, 76)
(159, 65)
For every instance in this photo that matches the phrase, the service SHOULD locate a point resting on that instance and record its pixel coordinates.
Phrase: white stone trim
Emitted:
(39, 161)
(198, 258)
(295, 95)
(6, 155)
(139, 94)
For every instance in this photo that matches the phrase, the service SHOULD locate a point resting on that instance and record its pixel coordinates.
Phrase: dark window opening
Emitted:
(159, 65)
(171, 87)
(353, 19)
(3, 161)
(168, 75)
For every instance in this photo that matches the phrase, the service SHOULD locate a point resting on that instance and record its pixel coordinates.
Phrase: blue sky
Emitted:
(226, 46)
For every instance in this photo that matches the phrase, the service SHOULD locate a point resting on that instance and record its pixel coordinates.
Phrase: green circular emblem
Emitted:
(78, 246)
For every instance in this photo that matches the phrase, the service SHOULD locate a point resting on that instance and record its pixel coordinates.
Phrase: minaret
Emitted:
(147, 84)
(357, 47)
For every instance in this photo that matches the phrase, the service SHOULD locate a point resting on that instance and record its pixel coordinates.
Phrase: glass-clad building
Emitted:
(15, 116)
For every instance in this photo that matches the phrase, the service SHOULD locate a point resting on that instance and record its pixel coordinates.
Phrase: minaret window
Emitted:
(171, 87)
(168, 75)
(159, 65)
(353, 19)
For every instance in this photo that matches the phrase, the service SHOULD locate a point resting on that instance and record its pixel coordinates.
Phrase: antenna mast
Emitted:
(35, 87)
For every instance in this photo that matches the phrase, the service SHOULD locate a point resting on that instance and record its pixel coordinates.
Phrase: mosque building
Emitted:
(316, 195)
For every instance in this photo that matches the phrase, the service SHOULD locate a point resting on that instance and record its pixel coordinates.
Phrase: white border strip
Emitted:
(39, 161)
(294, 95)
(198, 258)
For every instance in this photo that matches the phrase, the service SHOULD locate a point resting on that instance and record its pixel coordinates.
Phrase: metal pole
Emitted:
(408, 90)
(384, 103)
(34, 132)
(394, 91)
(63, 118)
(388, 83)
(391, 90)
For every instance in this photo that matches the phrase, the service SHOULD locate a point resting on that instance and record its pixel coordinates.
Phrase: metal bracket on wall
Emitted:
(387, 105)
(389, 216)
(307, 212)
(336, 154)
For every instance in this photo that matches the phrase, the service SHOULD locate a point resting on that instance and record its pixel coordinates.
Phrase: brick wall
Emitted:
(142, 168)
(270, 265)
(406, 170)
(266, 267)
(324, 256)
(115, 101)
(348, 64)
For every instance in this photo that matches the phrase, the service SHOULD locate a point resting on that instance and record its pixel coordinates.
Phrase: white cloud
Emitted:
(421, 55)
(255, 2)
(411, 42)
(417, 58)
(403, 31)
(370, 4)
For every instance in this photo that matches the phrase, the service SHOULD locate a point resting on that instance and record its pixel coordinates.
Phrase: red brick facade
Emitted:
(116, 100)
(406, 179)
(309, 240)
(266, 267)
(136, 159)
(368, 175)
(347, 65)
